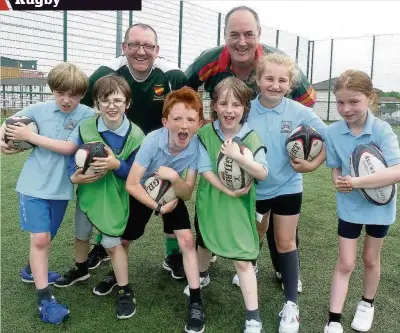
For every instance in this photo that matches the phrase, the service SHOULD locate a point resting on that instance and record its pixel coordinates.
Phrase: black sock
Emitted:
(370, 301)
(203, 274)
(44, 294)
(253, 315)
(289, 264)
(254, 262)
(335, 317)
(195, 295)
(82, 267)
(127, 288)
(28, 268)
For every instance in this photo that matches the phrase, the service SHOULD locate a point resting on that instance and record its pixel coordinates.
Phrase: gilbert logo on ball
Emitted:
(18, 144)
(229, 171)
(305, 143)
(85, 154)
(366, 159)
(159, 190)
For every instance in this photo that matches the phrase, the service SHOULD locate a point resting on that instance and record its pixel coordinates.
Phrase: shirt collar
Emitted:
(278, 109)
(224, 60)
(344, 128)
(120, 131)
(242, 131)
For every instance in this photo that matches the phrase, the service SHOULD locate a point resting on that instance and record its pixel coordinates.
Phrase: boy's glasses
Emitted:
(117, 103)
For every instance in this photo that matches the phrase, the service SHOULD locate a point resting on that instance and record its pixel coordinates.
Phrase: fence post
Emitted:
(219, 29)
(308, 57)
(180, 34)
(65, 41)
(130, 17)
(118, 37)
(330, 79)
(297, 49)
(373, 57)
(277, 39)
(312, 62)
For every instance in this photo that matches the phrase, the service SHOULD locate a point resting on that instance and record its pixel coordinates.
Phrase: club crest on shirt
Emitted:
(286, 126)
(71, 124)
(158, 92)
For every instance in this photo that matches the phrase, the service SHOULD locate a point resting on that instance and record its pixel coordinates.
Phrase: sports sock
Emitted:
(370, 301)
(171, 245)
(44, 294)
(204, 274)
(335, 317)
(253, 315)
(195, 295)
(289, 264)
(82, 267)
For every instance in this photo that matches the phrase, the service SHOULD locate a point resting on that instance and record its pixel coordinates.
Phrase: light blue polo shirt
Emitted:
(204, 163)
(154, 153)
(340, 143)
(44, 174)
(273, 126)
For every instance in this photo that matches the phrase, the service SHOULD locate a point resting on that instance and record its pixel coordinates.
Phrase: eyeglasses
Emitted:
(117, 103)
(136, 46)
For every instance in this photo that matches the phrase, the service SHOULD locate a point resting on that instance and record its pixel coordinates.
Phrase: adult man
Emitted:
(150, 78)
(238, 57)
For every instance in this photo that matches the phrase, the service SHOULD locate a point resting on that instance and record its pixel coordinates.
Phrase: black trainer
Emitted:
(196, 319)
(106, 286)
(96, 256)
(71, 277)
(126, 303)
(174, 264)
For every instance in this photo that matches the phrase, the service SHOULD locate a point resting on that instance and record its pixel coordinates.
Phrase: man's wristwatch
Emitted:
(158, 209)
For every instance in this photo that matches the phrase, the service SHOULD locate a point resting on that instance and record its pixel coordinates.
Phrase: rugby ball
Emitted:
(304, 143)
(18, 144)
(229, 171)
(366, 159)
(159, 190)
(85, 154)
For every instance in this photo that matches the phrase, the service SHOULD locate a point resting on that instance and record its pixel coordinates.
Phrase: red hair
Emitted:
(185, 95)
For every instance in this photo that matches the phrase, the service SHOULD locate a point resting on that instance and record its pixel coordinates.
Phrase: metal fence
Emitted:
(90, 39)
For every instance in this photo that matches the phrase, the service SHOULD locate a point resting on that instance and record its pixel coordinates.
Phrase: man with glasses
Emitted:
(150, 78)
(238, 57)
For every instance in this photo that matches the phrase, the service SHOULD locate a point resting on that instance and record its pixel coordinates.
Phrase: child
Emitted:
(273, 117)
(43, 186)
(104, 201)
(354, 96)
(225, 220)
(167, 152)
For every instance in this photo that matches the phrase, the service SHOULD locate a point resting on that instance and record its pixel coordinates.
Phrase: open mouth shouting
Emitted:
(182, 136)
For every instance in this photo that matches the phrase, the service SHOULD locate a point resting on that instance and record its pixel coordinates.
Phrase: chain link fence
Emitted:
(33, 42)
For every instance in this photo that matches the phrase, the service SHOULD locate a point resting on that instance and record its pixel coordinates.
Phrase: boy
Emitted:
(43, 186)
(104, 202)
(167, 152)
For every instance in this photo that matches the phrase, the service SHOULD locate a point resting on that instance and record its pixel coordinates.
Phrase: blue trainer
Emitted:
(28, 278)
(53, 312)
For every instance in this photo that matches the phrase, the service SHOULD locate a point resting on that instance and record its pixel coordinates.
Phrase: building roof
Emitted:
(324, 85)
(388, 99)
(22, 64)
(24, 81)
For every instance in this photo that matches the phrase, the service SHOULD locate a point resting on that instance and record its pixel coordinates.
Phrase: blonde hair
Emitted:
(238, 89)
(68, 77)
(279, 59)
(359, 81)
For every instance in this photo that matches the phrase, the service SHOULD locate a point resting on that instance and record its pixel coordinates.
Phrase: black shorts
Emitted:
(353, 230)
(140, 214)
(287, 204)
(199, 238)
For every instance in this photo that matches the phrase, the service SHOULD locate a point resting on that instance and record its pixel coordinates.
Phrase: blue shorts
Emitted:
(41, 215)
(353, 230)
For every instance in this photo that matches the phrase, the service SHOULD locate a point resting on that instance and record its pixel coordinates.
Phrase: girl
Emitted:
(273, 117)
(355, 95)
(225, 220)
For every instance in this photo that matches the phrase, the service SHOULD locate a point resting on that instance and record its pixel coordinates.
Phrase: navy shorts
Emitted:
(353, 230)
(286, 205)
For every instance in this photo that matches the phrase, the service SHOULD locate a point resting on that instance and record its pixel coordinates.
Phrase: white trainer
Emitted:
(290, 320)
(333, 327)
(252, 326)
(236, 281)
(364, 317)
(299, 285)
(204, 282)
(213, 259)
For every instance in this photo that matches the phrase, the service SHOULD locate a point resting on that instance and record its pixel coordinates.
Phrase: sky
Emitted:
(317, 20)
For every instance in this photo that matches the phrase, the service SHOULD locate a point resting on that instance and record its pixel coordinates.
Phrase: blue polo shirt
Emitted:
(204, 163)
(340, 143)
(44, 174)
(273, 126)
(154, 153)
